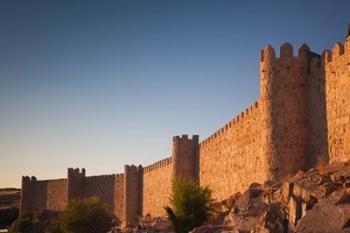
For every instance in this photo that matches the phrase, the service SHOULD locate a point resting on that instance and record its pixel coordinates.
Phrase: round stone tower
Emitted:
(283, 93)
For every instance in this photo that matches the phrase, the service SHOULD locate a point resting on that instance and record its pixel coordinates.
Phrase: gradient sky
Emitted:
(100, 84)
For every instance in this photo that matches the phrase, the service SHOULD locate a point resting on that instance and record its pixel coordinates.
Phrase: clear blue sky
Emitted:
(100, 84)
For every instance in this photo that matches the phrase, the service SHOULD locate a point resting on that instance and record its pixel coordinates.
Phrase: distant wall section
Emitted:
(44, 194)
(119, 197)
(53, 194)
(57, 195)
(157, 187)
(132, 194)
(102, 187)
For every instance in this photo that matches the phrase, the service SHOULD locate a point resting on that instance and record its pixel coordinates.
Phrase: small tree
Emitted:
(191, 205)
(83, 216)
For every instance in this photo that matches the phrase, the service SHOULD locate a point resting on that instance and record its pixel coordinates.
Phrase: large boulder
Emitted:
(326, 218)
(255, 211)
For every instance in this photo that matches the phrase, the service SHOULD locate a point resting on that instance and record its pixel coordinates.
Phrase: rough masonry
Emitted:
(301, 120)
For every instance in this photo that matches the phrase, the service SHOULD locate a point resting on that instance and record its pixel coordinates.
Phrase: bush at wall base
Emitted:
(191, 205)
(83, 216)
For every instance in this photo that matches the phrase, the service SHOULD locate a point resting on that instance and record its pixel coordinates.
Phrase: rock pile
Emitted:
(317, 201)
(256, 210)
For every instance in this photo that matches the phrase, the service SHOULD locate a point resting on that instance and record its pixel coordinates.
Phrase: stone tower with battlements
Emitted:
(284, 98)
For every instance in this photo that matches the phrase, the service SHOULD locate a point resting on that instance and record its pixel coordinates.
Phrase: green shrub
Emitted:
(83, 216)
(191, 205)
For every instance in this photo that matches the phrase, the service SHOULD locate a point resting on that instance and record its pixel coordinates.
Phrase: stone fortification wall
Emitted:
(285, 131)
(283, 92)
(157, 186)
(185, 154)
(119, 197)
(26, 194)
(53, 194)
(102, 187)
(132, 194)
(76, 180)
(39, 195)
(317, 153)
(57, 195)
(337, 69)
(43, 194)
(231, 159)
(157, 178)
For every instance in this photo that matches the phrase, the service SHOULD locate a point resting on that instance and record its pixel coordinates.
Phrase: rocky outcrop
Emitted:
(317, 201)
(257, 210)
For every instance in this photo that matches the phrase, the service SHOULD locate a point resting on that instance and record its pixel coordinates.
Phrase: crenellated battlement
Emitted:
(337, 50)
(268, 54)
(28, 179)
(184, 137)
(130, 168)
(232, 124)
(287, 61)
(76, 172)
(340, 51)
(54, 180)
(159, 164)
(101, 177)
(33, 179)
